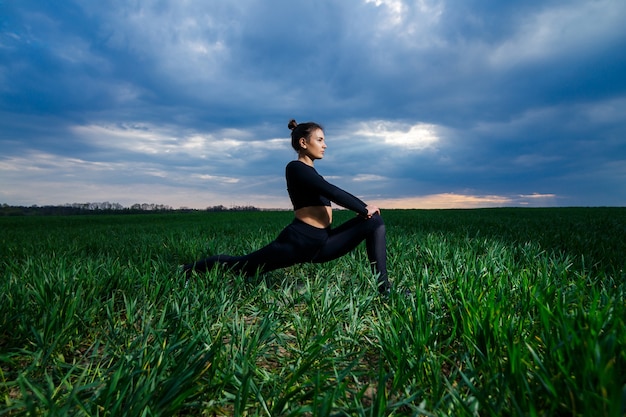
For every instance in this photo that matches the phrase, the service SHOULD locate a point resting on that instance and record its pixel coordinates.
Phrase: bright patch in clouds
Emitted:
(538, 196)
(214, 178)
(417, 137)
(395, 9)
(368, 178)
(414, 25)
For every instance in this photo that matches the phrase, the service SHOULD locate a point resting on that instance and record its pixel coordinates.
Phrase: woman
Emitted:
(310, 238)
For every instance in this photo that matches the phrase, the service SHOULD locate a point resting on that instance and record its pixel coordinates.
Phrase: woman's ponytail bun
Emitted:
(292, 124)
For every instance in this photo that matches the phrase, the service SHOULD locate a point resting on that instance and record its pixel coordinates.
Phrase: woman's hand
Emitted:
(371, 210)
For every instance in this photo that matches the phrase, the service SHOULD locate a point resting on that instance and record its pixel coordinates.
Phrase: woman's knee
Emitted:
(376, 222)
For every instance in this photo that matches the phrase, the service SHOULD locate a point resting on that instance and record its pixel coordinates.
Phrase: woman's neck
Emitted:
(305, 159)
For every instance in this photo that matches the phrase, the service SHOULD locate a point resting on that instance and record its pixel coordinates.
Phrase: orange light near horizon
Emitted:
(463, 201)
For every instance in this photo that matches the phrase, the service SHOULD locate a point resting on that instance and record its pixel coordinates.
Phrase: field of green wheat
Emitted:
(511, 312)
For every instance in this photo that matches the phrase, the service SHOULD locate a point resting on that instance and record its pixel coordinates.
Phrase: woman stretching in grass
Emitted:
(310, 238)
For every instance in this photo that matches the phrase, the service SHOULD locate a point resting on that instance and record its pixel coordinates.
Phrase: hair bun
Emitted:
(292, 124)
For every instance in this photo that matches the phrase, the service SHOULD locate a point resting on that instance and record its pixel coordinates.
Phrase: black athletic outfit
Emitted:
(300, 242)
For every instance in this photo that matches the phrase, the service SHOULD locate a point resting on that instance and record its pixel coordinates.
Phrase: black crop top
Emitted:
(308, 188)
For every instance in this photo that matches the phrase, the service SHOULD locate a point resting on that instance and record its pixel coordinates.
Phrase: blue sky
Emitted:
(425, 104)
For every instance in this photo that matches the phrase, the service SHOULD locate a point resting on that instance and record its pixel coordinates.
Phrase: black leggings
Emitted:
(300, 243)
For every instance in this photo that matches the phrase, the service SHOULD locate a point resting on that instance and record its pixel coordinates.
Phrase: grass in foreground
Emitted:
(511, 312)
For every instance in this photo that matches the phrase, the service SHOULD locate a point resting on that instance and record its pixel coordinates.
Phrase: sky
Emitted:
(424, 103)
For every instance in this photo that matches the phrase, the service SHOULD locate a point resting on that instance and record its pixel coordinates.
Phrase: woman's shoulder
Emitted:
(297, 165)
(298, 170)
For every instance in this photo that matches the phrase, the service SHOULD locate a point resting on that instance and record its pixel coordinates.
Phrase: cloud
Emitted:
(411, 22)
(417, 137)
(559, 32)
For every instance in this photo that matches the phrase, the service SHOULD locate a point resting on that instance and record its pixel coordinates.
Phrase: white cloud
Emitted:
(46, 165)
(412, 22)
(420, 136)
(153, 139)
(395, 10)
(538, 196)
(215, 178)
(139, 138)
(368, 178)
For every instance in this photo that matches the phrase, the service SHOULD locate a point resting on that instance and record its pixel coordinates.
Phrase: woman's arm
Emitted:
(308, 177)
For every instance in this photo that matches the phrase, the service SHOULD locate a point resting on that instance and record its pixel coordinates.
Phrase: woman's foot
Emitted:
(384, 287)
(187, 270)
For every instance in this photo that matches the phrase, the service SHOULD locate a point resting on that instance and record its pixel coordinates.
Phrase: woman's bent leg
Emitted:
(348, 236)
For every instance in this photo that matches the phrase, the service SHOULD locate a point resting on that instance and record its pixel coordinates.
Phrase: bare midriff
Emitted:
(316, 216)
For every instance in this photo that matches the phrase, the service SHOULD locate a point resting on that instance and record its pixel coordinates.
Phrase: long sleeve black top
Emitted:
(308, 188)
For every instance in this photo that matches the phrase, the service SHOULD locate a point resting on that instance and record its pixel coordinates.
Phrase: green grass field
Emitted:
(512, 312)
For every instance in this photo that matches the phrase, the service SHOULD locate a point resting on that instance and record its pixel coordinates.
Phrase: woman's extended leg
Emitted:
(346, 237)
(297, 243)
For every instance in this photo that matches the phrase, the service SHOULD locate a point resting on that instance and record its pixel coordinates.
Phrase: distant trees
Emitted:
(150, 207)
(233, 208)
(105, 207)
(96, 206)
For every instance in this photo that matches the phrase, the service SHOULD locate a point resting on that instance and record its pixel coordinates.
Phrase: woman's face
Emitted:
(315, 146)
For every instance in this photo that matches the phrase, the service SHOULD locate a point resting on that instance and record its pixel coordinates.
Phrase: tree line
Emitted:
(106, 208)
